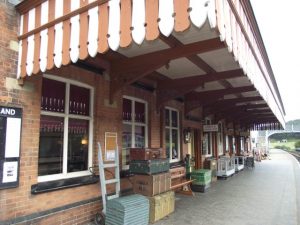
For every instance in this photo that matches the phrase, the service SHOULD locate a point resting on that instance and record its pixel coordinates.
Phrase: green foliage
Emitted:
(297, 144)
(288, 136)
(283, 147)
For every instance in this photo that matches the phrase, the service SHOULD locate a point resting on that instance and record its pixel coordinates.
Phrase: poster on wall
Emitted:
(10, 172)
(12, 142)
(110, 146)
(10, 137)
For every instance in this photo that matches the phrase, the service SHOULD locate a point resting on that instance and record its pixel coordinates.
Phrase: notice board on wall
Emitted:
(10, 138)
(110, 146)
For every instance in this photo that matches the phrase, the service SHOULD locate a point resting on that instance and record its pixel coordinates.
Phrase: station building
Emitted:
(190, 77)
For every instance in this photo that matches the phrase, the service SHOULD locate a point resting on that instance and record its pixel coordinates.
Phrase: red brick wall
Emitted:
(77, 215)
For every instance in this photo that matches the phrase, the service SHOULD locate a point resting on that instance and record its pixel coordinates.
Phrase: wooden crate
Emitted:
(161, 206)
(150, 185)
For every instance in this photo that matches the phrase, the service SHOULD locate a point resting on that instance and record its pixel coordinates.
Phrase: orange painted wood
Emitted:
(182, 21)
(24, 46)
(103, 28)
(152, 31)
(50, 50)
(83, 50)
(66, 35)
(125, 38)
(37, 41)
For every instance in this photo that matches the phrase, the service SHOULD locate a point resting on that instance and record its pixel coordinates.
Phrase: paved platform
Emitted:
(269, 194)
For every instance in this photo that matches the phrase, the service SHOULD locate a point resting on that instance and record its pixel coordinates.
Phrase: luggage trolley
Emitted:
(100, 217)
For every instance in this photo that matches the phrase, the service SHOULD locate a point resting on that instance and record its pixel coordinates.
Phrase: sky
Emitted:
(278, 22)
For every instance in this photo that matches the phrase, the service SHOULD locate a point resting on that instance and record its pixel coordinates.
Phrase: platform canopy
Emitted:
(209, 52)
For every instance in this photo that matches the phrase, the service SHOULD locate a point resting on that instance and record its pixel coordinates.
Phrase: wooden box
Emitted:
(150, 185)
(161, 206)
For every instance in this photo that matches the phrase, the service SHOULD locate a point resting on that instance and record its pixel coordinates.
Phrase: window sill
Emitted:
(62, 184)
(125, 173)
(176, 164)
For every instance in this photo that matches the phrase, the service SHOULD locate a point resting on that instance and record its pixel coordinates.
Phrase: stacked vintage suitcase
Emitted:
(152, 179)
(202, 180)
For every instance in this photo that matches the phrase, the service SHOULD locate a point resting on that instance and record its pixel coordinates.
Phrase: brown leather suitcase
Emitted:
(150, 185)
(145, 153)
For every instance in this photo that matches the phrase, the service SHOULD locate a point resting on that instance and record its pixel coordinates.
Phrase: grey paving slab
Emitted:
(266, 195)
(269, 194)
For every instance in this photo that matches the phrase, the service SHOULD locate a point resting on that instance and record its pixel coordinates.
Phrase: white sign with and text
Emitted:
(12, 143)
(10, 172)
(211, 128)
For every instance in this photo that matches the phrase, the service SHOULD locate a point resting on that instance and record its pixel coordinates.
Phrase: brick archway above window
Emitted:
(56, 33)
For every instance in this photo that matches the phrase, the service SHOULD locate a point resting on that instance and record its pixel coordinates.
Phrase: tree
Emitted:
(297, 144)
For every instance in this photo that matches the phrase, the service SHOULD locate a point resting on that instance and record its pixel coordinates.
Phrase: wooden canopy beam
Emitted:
(196, 60)
(259, 120)
(126, 71)
(216, 94)
(244, 108)
(228, 104)
(197, 99)
(171, 89)
(233, 102)
(236, 114)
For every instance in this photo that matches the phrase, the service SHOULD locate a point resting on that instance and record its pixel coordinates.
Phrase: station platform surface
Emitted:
(268, 194)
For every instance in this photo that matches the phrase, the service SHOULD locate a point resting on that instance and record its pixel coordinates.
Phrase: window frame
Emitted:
(242, 144)
(220, 139)
(66, 116)
(209, 152)
(234, 150)
(170, 127)
(133, 123)
(227, 143)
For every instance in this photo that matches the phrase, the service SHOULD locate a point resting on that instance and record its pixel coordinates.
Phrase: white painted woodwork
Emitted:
(114, 24)
(58, 34)
(233, 35)
(198, 14)
(228, 26)
(30, 50)
(20, 48)
(221, 21)
(212, 13)
(75, 29)
(165, 13)
(138, 21)
(44, 37)
(93, 32)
